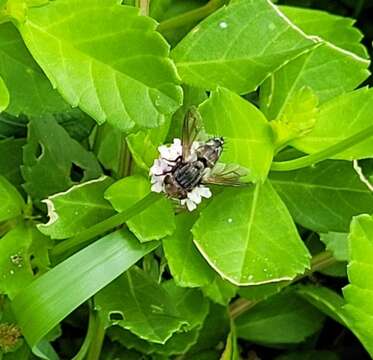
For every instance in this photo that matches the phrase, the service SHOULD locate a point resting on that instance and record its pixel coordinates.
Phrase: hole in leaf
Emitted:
(116, 316)
(39, 151)
(76, 173)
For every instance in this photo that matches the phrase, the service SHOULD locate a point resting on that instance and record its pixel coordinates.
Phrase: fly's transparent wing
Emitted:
(226, 174)
(191, 129)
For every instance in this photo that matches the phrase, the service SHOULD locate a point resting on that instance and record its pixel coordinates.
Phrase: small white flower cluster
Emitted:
(165, 163)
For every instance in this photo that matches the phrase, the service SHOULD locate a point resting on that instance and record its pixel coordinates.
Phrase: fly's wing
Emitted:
(191, 128)
(226, 174)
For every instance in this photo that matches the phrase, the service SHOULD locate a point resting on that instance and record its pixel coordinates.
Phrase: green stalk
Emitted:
(106, 225)
(327, 153)
(190, 17)
(319, 262)
(97, 338)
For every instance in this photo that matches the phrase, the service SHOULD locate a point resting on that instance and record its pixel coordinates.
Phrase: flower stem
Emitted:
(327, 153)
(319, 262)
(190, 17)
(106, 225)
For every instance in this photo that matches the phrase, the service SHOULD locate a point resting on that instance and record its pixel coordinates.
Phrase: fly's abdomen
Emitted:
(189, 175)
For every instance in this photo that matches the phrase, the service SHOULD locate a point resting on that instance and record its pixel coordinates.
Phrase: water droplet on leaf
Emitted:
(223, 25)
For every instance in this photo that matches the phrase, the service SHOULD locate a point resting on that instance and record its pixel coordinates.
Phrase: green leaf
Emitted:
(260, 292)
(139, 304)
(103, 56)
(327, 69)
(309, 355)
(326, 300)
(282, 319)
(81, 276)
(4, 95)
(154, 223)
(339, 119)
(246, 130)
(335, 29)
(323, 197)
(143, 145)
(10, 164)
(336, 243)
(77, 209)
(297, 119)
(187, 266)
(191, 306)
(358, 293)
(220, 291)
(223, 50)
(12, 202)
(249, 238)
(30, 91)
(51, 157)
(214, 331)
(16, 271)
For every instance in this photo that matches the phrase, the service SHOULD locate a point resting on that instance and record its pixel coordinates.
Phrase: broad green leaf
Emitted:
(11, 203)
(359, 308)
(144, 144)
(323, 197)
(329, 70)
(214, 331)
(260, 292)
(77, 209)
(297, 119)
(339, 119)
(104, 57)
(31, 93)
(51, 158)
(191, 306)
(246, 130)
(335, 29)
(326, 300)
(336, 243)
(4, 95)
(223, 50)
(154, 223)
(15, 266)
(249, 238)
(187, 266)
(282, 319)
(10, 164)
(80, 276)
(220, 291)
(309, 355)
(139, 304)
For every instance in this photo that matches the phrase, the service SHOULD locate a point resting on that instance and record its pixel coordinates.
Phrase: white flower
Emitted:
(164, 164)
(195, 197)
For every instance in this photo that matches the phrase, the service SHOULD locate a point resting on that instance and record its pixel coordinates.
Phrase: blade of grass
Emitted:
(53, 296)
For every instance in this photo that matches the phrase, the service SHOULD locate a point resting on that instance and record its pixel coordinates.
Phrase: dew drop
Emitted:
(250, 277)
(223, 25)
(265, 270)
(11, 272)
(230, 220)
(271, 26)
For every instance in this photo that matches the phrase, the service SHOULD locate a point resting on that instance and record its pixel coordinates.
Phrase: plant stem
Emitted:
(97, 339)
(190, 17)
(106, 225)
(319, 262)
(327, 153)
(144, 6)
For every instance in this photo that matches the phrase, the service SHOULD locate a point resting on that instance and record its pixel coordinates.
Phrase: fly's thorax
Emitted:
(209, 153)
